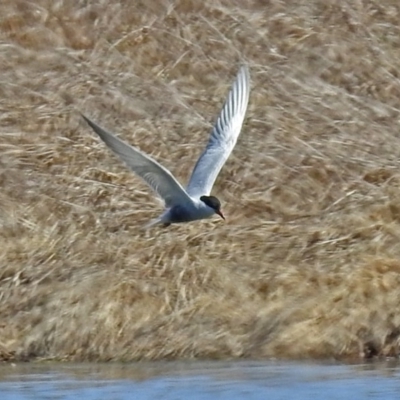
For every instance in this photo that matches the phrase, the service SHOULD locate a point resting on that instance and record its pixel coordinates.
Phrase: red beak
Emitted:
(219, 212)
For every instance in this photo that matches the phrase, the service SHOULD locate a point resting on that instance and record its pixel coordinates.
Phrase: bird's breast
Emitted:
(184, 213)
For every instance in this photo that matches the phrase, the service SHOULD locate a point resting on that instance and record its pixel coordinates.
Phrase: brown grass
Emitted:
(308, 262)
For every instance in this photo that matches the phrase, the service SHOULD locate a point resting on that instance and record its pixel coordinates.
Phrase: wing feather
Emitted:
(223, 137)
(153, 173)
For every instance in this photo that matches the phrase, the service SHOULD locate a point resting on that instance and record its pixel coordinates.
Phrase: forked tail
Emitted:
(153, 222)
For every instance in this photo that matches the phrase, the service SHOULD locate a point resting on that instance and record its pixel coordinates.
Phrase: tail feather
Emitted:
(153, 222)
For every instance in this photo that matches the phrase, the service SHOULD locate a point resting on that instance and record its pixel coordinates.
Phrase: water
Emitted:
(200, 381)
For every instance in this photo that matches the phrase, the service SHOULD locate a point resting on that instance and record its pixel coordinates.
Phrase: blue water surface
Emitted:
(200, 380)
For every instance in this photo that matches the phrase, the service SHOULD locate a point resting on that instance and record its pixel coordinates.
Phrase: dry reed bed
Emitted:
(308, 262)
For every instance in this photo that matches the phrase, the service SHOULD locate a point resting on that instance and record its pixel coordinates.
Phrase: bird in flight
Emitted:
(195, 202)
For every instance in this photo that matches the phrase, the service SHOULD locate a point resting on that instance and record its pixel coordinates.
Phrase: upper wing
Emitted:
(223, 137)
(153, 173)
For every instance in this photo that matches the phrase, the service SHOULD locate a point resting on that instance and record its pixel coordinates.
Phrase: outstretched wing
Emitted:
(153, 173)
(223, 137)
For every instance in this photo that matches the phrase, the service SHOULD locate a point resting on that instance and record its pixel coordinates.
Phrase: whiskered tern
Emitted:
(195, 202)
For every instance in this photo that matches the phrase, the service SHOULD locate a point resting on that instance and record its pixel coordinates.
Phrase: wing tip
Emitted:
(244, 67)
(87, 120)
(244, 71)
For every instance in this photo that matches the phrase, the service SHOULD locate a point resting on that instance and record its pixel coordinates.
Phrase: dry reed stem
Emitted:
(308, 262)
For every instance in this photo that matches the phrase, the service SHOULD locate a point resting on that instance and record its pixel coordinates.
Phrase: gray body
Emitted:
(186, 213)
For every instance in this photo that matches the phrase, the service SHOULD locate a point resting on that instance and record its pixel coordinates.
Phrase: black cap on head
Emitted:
(214, 203)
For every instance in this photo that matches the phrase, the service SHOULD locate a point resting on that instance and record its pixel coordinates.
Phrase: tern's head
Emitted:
(213, 203)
